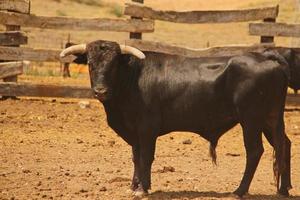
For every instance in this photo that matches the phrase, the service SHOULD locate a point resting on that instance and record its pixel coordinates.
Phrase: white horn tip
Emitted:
(142, 56)
(62, 54)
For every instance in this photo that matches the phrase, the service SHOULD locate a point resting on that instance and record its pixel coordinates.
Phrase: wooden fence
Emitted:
(16, 13)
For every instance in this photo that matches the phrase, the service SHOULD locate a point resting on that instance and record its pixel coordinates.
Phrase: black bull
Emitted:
(144, 99)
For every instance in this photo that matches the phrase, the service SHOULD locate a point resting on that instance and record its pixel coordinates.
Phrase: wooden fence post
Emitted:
(13, 34)
(136, 35)
(11, 78)
(268, 39)
(12, 28)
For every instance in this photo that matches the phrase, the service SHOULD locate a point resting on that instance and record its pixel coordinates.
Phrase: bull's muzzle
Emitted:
(101, 93)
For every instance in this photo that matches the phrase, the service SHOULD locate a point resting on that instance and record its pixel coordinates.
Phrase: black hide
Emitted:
(144, 99)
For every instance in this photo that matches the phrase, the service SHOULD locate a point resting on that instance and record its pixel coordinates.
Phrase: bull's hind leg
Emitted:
(269, 131)
(286, 185)
(254, 149)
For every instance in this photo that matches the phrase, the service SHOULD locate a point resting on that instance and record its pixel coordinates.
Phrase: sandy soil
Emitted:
(54, 149)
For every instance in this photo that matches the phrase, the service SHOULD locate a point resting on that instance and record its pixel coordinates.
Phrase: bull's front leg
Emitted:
(146, 157)
(136, 162)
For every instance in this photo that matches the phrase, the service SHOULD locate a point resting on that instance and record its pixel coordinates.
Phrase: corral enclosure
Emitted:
(53, 148)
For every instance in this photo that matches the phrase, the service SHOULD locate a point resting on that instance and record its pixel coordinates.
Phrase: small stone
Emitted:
(39, 183)
(83, 190)
(103, 189)
(84, 104)
(119, 179)
(233, 154)
(88, 173)
(67, 174)
(111, 143)
(79, 141)
(188, 141)
(166, 169)
(26, 171)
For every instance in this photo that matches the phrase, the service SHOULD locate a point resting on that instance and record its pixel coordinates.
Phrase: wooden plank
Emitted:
(293, 99)
(65, 23)
(20, 6)
(22, 53)
(226, 51)
(8, 69)
(30, 90)
(193, 17)
(13, 38)
(275, 29)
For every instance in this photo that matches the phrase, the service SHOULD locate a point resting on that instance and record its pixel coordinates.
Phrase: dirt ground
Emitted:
(54, 149)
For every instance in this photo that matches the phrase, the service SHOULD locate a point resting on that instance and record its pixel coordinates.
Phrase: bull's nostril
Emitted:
(100, 93)
(100, 90)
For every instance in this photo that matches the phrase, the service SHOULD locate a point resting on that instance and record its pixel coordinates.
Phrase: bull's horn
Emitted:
(79, 48)
(133, 51)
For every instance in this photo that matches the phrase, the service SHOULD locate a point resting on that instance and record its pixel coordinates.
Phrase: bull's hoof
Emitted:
(239, 194)
(140, 193)
(134, 187)
(234, 196)
(283, 192)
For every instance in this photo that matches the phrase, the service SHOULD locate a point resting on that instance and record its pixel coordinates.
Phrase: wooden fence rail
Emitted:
(20, 6)
(9, 69)
(30, 90)
(13, 38)
(22, 53)
(193, 17)
(274, 29)
(224, 51)
(65, 23)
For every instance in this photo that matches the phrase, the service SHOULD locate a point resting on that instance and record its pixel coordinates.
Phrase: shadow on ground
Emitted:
(158, 195)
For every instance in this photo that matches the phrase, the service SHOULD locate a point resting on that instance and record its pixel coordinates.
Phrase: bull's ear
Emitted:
(288, 54)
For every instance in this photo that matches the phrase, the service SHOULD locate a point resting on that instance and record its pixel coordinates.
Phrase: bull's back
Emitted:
(251, 79)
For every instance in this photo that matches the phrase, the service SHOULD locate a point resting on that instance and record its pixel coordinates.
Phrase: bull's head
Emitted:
(103, 57)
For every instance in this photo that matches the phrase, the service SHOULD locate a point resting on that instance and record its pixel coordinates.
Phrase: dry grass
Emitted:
(189, 35)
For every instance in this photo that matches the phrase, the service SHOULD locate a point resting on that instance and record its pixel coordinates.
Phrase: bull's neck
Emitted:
(125, 76)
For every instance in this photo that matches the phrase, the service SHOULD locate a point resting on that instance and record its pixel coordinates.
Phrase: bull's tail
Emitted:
(212, 151)
(279, 140)
(279, 154)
